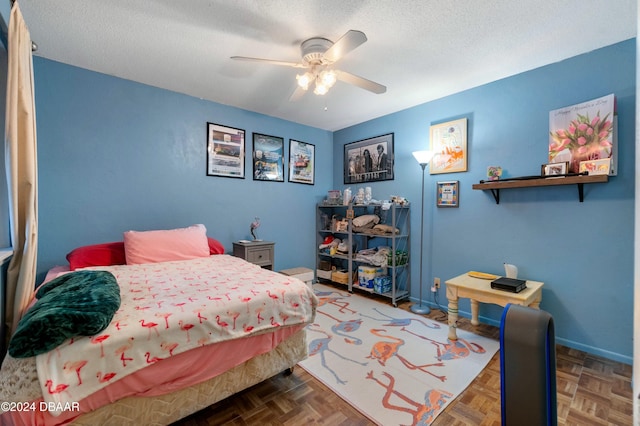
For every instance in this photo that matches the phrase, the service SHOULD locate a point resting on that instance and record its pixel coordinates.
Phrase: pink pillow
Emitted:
(166, 245)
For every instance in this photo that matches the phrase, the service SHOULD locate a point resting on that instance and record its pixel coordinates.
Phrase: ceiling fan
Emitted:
(318, 56)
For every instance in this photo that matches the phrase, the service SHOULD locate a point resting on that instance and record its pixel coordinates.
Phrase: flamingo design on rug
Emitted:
(453, 349)
(347, 326)
(325, 297)
(423, 414)
(384, 350)
(321, 345)
(400, 322)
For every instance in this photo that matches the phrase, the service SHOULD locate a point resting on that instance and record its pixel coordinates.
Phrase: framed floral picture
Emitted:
(583, 132)
(448, 142)
(301, 162)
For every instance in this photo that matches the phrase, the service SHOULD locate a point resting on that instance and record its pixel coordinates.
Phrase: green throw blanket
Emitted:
(79, 303)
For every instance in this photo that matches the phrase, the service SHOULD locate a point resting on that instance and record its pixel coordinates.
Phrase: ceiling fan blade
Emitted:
(297, 94)
(344, 45)
(361, 82)
(269, 61)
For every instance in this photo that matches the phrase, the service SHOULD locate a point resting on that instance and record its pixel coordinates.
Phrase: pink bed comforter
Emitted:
(178, 372)
(169, 308)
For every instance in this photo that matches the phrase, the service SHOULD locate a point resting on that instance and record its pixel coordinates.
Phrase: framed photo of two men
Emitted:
(369, 160)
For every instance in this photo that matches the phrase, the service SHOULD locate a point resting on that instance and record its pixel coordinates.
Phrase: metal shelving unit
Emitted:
(396, 216)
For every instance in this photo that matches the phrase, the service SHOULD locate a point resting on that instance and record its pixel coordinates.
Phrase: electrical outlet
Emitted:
(436, 282)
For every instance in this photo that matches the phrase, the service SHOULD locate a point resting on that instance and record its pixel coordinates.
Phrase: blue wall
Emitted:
(583, 252)
(114, 155)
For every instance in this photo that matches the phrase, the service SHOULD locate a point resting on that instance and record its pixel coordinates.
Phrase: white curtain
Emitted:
(21, 165)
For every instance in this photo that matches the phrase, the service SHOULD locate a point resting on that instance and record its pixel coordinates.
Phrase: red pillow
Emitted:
(113, 254)
(97, 255)
(215, 247)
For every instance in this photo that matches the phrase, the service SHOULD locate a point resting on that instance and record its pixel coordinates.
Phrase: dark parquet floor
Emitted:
(591, 391)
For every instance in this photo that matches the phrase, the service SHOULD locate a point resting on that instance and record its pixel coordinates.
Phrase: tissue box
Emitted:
(382, 284)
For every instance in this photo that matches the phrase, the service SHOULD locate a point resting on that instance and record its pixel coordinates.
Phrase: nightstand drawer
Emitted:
(257, 252)
(259, 255)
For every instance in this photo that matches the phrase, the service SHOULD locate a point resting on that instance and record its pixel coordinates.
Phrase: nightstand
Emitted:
(258, 252)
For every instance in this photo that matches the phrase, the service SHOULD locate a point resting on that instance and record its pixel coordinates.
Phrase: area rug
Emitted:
(395, 367)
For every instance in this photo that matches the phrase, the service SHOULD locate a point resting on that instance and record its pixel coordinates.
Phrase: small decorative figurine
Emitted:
(254, 225)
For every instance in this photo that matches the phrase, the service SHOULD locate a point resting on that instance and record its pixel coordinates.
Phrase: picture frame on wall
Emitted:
(448, 194)
(369, 160)
(268, 158)
(301, 162)
(449, 143)
(225, 151)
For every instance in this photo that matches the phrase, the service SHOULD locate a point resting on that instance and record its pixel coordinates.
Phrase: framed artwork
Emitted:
(448, 194)
(596, 167)
(551, 169)
(369, 160)
(268, 158)
(584, 132)
(448, 142)
(225, 151)
(301, 162)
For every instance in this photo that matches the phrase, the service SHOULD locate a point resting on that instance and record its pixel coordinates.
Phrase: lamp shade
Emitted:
(423, 157)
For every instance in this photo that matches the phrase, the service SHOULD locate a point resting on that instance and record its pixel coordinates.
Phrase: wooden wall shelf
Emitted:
(496, 186)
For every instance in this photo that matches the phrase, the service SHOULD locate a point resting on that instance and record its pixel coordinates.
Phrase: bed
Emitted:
(185, 334)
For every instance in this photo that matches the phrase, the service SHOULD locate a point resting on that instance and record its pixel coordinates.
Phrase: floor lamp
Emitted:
(423, 158)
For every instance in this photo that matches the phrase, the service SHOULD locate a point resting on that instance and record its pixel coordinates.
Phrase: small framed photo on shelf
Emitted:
(596, 167)
(268, 161)
(448, 194)
(553, 169)
(494, 172)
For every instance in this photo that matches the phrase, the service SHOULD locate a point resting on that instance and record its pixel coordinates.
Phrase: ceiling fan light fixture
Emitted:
(320, 89)
(328, 78)
(304, 80)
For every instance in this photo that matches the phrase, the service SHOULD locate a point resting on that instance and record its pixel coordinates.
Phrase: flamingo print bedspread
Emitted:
(168, 308)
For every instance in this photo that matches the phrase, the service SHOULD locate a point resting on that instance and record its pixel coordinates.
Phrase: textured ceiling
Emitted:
(420, 49)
